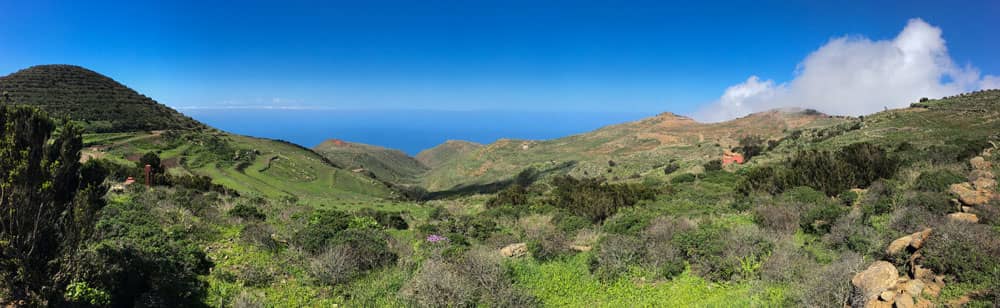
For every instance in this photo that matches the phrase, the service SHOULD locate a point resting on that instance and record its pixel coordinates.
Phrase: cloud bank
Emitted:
(854, 75)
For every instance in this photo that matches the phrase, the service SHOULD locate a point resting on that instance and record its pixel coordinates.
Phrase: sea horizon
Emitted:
(410, 131)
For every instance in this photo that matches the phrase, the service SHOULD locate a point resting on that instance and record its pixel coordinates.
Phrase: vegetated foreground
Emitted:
(895, 208)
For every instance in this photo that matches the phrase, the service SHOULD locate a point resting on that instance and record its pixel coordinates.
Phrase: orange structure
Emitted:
(731, 158)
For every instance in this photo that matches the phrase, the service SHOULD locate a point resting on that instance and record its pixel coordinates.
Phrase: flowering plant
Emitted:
(434, 238)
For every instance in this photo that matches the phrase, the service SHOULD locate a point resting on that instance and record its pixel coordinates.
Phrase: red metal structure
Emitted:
(731, 158)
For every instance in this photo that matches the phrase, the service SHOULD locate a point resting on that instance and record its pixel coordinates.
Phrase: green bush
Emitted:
(323, 225)
(856, 165)
(703, 247)
(934, 202)
(630, 223)
(138, 264)
(713, 165)
(595, 199)
(615, 254)
(937, 180)
(247, 212)
(683, 178)
(969, 252)
(515, 195)
(567, 222)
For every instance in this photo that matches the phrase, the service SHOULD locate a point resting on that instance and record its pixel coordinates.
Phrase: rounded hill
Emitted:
(98, 102)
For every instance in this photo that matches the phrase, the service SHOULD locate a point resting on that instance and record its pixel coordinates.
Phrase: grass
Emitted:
(568, 283)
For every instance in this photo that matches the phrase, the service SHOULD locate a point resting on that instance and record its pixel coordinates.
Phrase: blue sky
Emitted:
(467, 55)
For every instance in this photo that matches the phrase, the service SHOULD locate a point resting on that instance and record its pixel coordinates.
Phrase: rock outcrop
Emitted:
(515, 250)
(911, 242)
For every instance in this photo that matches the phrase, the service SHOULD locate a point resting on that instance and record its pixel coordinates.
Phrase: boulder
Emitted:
(912, 287)
(984, 184)
(920, 237)
(963, 217)
(979, 163)
(869, 284)
(899, 245)
(923, 303)
(969, 195)
(515, 250)
(915, 241)
(980, 174)
(904, 300)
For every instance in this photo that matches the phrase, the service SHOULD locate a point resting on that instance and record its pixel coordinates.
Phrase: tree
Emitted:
(751, 145)
(39, 181)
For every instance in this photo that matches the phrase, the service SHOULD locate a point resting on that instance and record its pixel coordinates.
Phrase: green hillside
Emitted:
(628, 150)
(99, 103)
(381, 163)
(445, 152)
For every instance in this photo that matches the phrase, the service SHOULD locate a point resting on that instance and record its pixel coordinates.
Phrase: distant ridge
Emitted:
(98, 102)
(381, 163)
(442, 153)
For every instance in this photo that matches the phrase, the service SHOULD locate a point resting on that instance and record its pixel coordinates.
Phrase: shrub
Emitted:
(439, 284)
(746, 249)
(937, 180)
(254, 276)
(595, 199)
(934, 202)
(856, 165)
(322, 226)
(493, 283)
(393, 220)
(780, 218)
(848, 197)
(670, 168)
(713, 165)
(703, 246)
(515, 195)
(830, 285)
(683, 178)
(336, 265)
(247, 212)
(661, 254)
(629, 222)
(969, 252)
(616, 253)
(260, 235)
(786, 263)
(567, 222)
(818, 218)
(751, 145)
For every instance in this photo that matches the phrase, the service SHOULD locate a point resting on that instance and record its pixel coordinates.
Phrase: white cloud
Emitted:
(854, 75)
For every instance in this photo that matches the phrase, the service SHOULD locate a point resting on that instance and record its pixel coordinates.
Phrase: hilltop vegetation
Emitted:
(97, 102)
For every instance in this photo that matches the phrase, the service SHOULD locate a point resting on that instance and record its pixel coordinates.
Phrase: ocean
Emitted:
(410, 131)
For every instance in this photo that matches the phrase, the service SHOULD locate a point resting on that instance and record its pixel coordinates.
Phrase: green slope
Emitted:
(248, 165)
(636, 149)
(381, 163)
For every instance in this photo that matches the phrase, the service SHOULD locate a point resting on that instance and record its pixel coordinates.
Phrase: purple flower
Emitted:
(434, 238)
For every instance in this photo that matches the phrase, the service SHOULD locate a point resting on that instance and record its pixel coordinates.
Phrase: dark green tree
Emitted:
(39, 181)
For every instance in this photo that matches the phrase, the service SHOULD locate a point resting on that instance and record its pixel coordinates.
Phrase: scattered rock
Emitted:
(984, 183)
(923, 303)
(969, 195)
(964, 217)
(515, 250)
(914, 241)
(913, 287)
(904, 300)
(887, 295)
(869, 284)
(979, 163)
(898, 245)
(920, 237)
(979, 174)
(580, 248)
